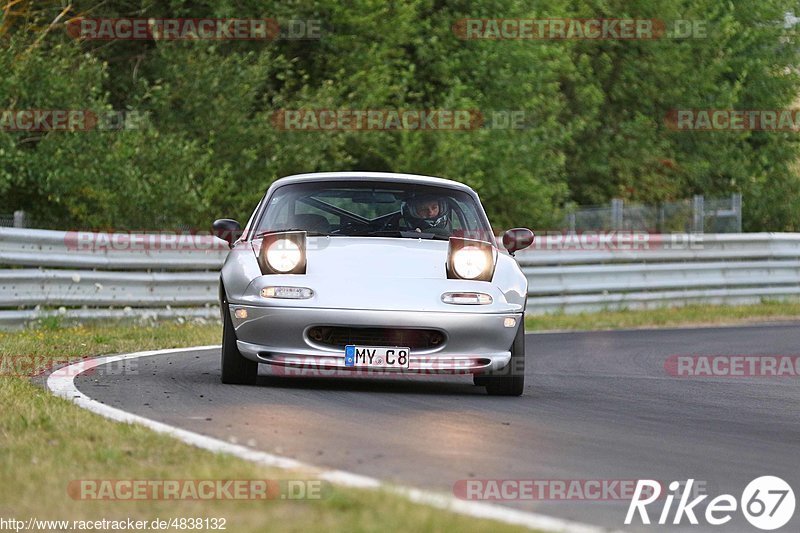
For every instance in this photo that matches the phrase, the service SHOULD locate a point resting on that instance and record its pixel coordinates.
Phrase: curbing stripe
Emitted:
(62, 383)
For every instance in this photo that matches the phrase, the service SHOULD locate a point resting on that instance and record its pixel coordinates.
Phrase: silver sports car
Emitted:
(373, 272)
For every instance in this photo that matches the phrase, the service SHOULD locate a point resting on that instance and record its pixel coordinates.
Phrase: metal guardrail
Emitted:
(574, 274)
(113, 251)
(89, 276)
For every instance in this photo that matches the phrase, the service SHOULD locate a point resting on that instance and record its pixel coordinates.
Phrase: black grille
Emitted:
(410, 338)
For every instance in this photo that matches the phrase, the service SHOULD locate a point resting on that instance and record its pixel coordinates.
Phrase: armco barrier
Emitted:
(87, 276)
(565, 274)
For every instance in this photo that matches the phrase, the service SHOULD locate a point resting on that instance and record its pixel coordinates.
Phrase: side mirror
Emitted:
(517, 239)
(227, 229)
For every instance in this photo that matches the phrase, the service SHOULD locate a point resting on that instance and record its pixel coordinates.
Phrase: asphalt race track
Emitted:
(597, 406)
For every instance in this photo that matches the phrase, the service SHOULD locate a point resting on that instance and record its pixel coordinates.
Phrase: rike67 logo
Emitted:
(767, 502)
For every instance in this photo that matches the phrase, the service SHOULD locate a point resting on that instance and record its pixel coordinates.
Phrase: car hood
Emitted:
(378, 273)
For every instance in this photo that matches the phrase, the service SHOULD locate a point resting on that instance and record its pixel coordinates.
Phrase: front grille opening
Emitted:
(340, 336)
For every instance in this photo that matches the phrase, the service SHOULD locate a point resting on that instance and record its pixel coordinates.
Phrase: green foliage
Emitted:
(625, 90)
(594, 110)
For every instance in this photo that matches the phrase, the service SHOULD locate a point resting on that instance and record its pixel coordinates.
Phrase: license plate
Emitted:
(375, 357)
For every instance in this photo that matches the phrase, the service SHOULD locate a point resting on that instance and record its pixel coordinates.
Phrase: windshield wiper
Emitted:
(308, 232)
(393, 233)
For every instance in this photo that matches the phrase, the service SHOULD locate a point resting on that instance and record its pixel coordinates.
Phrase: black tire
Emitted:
(510, 381)
(236, 369)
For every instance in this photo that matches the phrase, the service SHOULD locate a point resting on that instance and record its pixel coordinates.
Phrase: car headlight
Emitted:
(283, 253)
(469, 262)
(470, 259)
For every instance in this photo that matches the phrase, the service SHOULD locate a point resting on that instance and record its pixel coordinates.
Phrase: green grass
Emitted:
(46, 442)
(692, 315)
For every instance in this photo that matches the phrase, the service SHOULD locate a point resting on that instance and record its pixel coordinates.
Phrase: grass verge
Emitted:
(46, 442)
(691, 315)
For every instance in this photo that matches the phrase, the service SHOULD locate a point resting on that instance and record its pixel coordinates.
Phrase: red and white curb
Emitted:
(62, 383)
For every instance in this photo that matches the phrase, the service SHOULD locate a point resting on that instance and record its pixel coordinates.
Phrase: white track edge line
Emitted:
(62, 383)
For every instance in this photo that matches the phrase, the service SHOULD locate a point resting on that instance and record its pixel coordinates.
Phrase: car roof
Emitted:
(373, 176)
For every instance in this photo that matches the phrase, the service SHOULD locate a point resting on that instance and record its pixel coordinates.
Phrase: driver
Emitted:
(424, 213)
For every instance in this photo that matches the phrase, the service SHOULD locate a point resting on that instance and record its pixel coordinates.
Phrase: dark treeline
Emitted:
(594, 110)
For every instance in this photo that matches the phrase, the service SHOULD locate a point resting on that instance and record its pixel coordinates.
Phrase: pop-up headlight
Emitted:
(283, 253)
(470, 259)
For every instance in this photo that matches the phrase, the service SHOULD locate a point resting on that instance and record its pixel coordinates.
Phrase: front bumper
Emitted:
(475, 342)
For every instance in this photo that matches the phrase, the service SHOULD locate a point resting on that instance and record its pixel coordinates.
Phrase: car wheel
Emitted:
(511, 379)
(236, 369)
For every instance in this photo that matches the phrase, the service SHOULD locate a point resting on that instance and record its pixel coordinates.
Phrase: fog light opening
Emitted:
(509, 322)
(241, 314)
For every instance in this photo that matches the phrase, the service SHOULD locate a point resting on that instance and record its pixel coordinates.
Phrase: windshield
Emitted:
(364, 208)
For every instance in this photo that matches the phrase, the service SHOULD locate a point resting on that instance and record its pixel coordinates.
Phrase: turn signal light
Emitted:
(293, 293)
(466, 298)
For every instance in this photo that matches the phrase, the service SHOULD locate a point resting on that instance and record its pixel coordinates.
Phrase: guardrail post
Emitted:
(19, 219)
(617, 207)
(736, 206)
(698, 214)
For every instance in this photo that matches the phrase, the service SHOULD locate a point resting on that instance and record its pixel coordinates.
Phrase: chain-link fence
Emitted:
(699, 214)
(18, 219)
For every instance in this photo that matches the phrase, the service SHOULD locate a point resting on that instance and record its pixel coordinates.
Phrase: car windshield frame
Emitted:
(458, 200)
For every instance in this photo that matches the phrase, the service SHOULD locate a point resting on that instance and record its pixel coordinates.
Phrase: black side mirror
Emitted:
(227, 229)
(517, 239)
